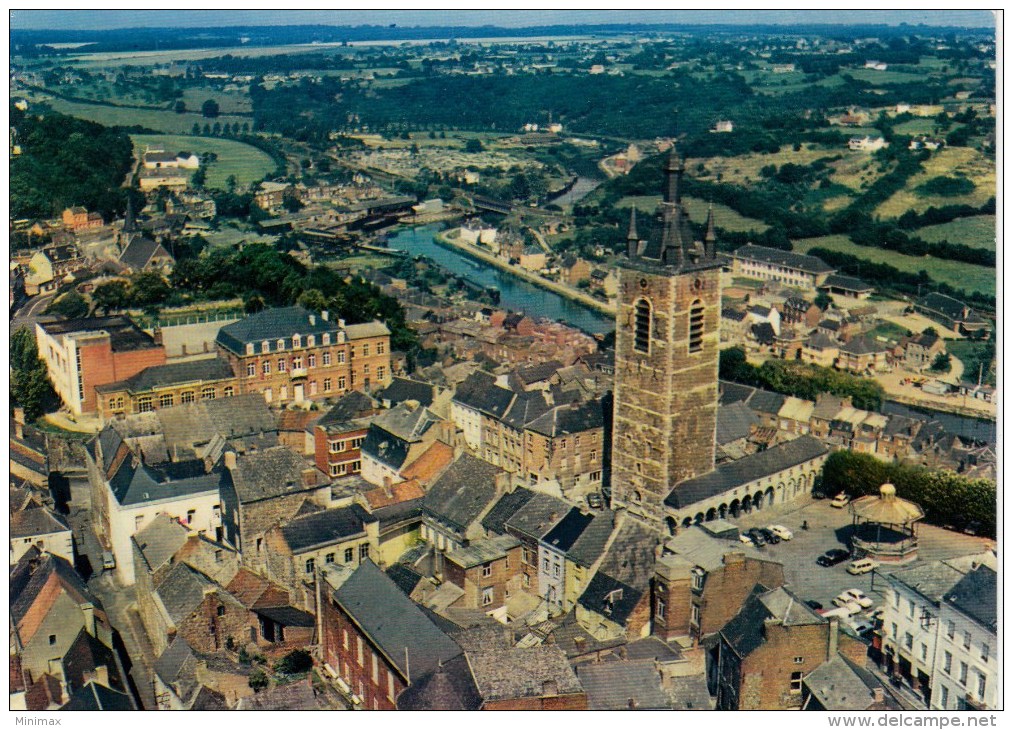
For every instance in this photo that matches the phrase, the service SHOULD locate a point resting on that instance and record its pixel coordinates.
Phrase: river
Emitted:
(515, 294)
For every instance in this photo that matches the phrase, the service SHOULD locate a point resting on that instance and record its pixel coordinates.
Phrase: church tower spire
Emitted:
(710, 238)
(632, 239)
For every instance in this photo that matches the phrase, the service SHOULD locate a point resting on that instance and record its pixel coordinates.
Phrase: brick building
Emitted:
(770, 645)
(79, 219)
(667, 341)
(565, 447)
(338, 435)
(81, 354)
(488, 571)
(375, 638)
(702, 580)
(292, 355)
(164, 386)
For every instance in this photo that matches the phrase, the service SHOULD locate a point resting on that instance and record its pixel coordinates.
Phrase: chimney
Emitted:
(89, 617)
(341, 323)
(313, 320)
(156, 335)
(19, 422)
(101, 675)
(230, 460)
(833, 638)
(877, 694)
(325, 315)
(632, 703)
(550, 688)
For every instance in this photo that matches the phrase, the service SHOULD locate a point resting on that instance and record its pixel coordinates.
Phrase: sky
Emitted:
(109, 19)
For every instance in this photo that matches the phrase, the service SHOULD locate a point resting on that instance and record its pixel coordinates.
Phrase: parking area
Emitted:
(829, 528)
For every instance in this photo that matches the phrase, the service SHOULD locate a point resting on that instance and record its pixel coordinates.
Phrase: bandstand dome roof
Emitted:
(886, 508)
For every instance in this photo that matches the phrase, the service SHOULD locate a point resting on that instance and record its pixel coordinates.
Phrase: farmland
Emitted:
(949, 162)
(978, 231)
(244, 161)
(955, 273)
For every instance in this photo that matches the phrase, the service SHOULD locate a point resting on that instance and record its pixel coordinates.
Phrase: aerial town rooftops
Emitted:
(181, 373)
(124, 335)
(788, 259)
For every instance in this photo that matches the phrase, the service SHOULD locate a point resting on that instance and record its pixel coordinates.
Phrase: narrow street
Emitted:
(119, 603)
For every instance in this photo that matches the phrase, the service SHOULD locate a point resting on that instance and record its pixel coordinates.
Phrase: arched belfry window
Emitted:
(642, 326)
(696, 326)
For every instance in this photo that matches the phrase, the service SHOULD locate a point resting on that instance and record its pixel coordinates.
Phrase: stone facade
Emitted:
(486, 585)
(666, 398)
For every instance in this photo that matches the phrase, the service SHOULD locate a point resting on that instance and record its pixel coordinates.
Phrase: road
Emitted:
(119, 603)
(29, 313)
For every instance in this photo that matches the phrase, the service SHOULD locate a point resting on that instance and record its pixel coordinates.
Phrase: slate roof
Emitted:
(862, 346)
(140, 483)
(450, 688)
(140, 251)
(790, 259)
(847, 283)
(624, 685)
(730, 392)
(525, 408)
(180, 373)
(84, 656)
(651, 647)
(821, 341)
(564, 420)
(270, 473)
(530, 374)
(690, 693)
(177, 667)
(94, 696)
(124, 335)
(160, 540)
(298, 695)
(402, 389)
(538, 516)
(325, 528)
(840, 685)
(505, 508)
(734, 422)
(589, 546)
(182, 590)
(483, 551)
(282, 323)
(699, 548)
(745, 632)
(948, 306)
(462, 492)
(208, 700)
(749, 468)
(28, 583)
(287, 616)
(395, 623)
(505, 674)
(766, 401)
(347, 409)
(36, 521)
(732, 314)
(480, 392)
(627, 567)
(404, 577)
(976, 595)
(568, 530)
(763, 333)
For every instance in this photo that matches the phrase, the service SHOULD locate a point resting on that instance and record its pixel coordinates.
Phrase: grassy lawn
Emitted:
(978, 231)
(889, 330)
(230, 236)
(244, 161)
(916, 126)
(954, 273)
(229, 102)
(746, 168)
(950, 162)
(883, 77)
(164, 121)
(724, 217)
(971, 354)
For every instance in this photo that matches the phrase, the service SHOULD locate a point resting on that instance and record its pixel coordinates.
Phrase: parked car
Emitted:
(781, 531)
(744, 537)
(108, 561)
(769, 536)
(594, 501)
(840, 501)
(844, 601)
(832, 557)
(861, 625)
(814, 605)
(858, 597)
(860, 567)
(757, 537)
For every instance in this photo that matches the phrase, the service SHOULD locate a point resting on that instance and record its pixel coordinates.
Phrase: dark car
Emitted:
(814, 605)
(757, 537)
(769, 536)
(832, 557)
(594, 501)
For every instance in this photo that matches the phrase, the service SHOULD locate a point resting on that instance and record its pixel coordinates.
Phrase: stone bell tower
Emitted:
(667, 343)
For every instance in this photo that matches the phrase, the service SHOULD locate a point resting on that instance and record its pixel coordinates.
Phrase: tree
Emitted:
(823, 301)
(179, 107)
(111, 296)
(258, 680)
(149, 288)
(941, 364)
(295, 662)
(931, 331)
(30, 386)
(71, 305)
(195, 131)
(312, 299)
(210, 109)
(473, 145)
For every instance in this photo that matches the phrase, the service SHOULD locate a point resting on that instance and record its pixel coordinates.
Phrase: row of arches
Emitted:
(786, 490)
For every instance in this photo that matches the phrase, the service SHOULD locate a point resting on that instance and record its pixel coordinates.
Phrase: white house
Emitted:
(867, 144)
(723, 125)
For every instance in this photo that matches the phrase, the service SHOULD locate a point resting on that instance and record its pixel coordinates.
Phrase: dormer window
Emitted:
(310, 340)
(326, 338)
(281, 344)
(698, 575)
(296, 341)
(265, 346)
(249, 348)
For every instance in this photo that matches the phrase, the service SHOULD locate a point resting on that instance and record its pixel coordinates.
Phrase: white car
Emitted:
(860, 567)
(844, 601)
(781, 531)
(840, 501)
(746, 539)
(858, 597)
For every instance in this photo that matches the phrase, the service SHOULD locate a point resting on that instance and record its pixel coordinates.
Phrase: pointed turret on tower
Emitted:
(632, 239)
(710, 237)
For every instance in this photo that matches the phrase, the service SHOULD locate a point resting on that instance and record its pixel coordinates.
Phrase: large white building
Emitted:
(785, 267)
(917, 637)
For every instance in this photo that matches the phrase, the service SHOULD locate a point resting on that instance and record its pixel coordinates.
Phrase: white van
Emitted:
(865, 565)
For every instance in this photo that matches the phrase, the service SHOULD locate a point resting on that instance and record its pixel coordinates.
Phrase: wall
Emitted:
(197, 628)
(57, 543)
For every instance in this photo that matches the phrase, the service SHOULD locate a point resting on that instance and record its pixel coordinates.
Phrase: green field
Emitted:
(883, 77)
(949, 162)
(163, 121)
(920, 125)
(229, 102)
(889, 330)
(955, 273)
(978, 231)
(724, 217)
(244, 161)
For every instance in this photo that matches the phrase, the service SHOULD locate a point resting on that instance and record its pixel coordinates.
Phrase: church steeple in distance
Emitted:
(632, 239)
